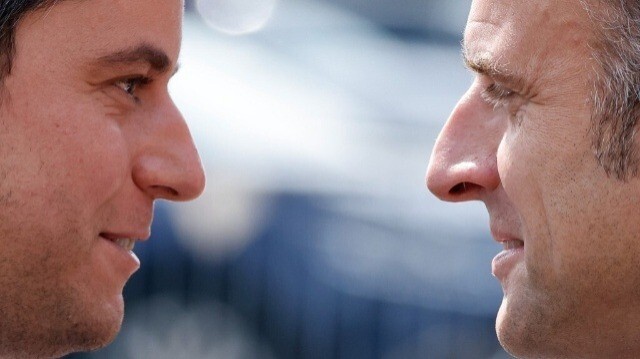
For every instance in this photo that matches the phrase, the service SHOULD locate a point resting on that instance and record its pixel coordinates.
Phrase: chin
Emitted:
(103, 326)
(94, 327)
(77, 336)
(525, 329)
(508, 332)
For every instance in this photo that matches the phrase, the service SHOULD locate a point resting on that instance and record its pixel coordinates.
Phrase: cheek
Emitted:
(67, 167)
(521, 168)
(61, 140)
(68, 154)
(524, 173)
(567, 207)
(63, 176)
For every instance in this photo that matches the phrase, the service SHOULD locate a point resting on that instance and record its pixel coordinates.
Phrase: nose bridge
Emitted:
(463, 163)
(169, 167)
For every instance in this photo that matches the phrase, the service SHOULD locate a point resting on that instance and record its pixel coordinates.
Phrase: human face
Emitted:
(89, 138)
(519, 140)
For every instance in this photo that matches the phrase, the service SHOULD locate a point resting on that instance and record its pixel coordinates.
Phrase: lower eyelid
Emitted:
(119, 98)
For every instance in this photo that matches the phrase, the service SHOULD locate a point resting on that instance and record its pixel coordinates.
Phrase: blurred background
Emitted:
(316, 237)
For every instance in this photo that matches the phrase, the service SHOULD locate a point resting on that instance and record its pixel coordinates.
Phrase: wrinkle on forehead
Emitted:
(532, 38)
(497, 11)
(535, 22)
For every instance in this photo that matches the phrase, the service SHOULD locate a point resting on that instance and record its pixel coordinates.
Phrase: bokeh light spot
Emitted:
(236, 17)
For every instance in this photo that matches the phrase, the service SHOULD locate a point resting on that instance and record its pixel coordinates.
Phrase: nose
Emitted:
(168, 166)
(463, 164)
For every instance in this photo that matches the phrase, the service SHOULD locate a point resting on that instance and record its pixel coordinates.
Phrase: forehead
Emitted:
(526, 36)
(70, 29)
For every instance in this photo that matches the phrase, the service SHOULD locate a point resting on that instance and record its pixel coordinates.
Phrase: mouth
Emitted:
(512, 253)
(504, 262)
(117, 249)
(123, 242)
(512, 244)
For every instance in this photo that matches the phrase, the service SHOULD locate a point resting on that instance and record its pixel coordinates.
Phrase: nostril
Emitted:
(459, 188)
(165, 191)
(463, 187)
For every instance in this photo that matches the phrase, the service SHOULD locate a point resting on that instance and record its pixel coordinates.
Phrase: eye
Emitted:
(497, 95)
(505, 99)
(130, 85)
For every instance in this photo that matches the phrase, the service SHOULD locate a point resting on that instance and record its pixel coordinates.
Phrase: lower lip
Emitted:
(123, 259)
(504, 262)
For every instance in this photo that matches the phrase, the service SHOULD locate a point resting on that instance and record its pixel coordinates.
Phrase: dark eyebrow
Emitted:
(145, 53)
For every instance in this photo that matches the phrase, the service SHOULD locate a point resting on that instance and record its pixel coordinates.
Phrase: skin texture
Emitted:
(575, 290)
(83, 153)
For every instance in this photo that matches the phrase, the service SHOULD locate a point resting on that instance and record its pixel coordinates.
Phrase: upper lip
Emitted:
(140, 235)
(500, 235)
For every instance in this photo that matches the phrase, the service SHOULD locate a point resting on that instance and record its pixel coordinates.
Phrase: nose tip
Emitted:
(194, 186)
(174, 178)
(462, 181)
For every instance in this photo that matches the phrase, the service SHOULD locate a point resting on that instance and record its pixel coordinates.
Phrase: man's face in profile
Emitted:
(520, 141)
(89, 138)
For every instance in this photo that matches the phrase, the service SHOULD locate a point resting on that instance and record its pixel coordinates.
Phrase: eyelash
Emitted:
(497, 95)
(131, 84)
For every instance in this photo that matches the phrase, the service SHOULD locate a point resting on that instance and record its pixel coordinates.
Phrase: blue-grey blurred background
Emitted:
(316, 237)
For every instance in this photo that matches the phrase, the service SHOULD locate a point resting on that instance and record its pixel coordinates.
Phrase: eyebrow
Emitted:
(156, 58)
(483, 64)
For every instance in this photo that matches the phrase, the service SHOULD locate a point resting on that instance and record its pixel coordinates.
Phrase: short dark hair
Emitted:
(11, 11)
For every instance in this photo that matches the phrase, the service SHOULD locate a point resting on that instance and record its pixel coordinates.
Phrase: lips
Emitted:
(512, 253)
(124, 242)
(116, 253)
(512, 244)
